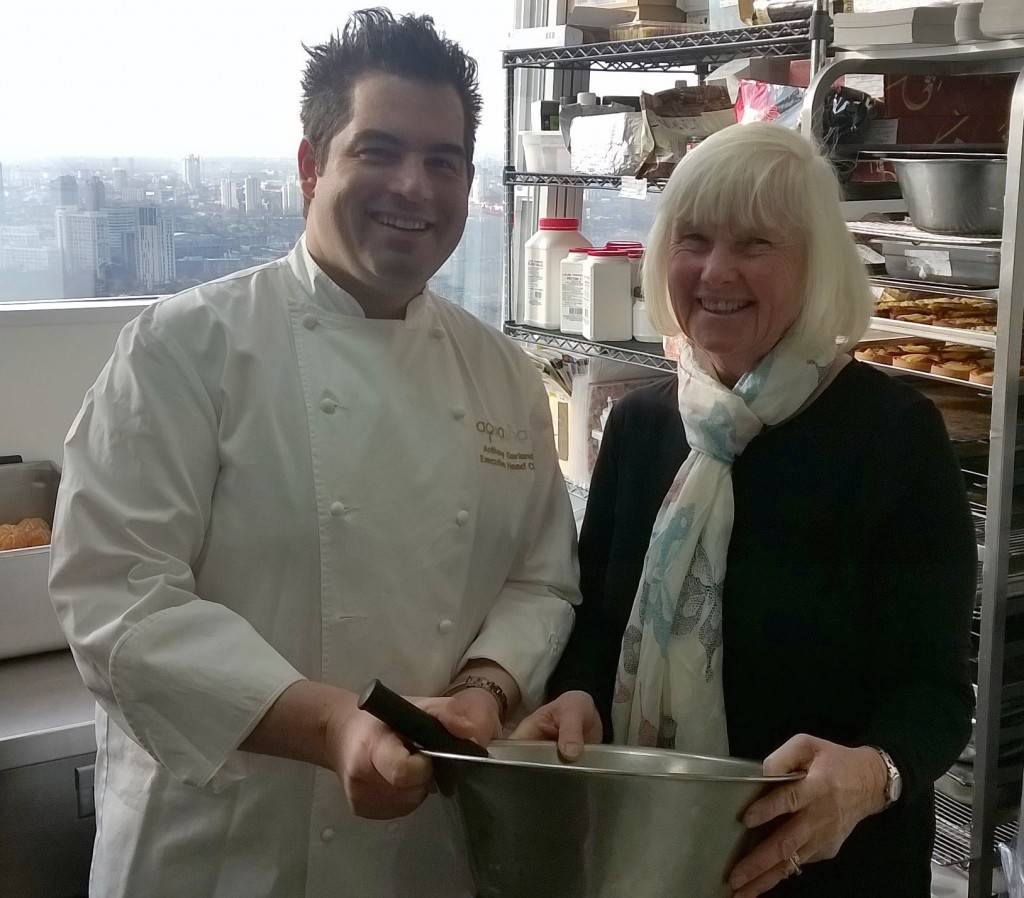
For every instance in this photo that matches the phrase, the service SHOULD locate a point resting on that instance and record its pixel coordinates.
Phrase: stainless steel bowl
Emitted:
(954, 196)
(618, 823)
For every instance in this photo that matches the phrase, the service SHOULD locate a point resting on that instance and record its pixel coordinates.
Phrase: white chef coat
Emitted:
(265, 485)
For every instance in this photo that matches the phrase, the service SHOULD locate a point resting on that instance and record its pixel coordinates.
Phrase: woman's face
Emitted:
(735, 294)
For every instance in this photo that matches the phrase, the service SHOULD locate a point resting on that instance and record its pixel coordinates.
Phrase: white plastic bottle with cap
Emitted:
(573, 293)
(643, 330)
(543, 253)
(608, 309)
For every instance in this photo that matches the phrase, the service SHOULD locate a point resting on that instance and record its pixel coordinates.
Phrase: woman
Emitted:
(777, 558)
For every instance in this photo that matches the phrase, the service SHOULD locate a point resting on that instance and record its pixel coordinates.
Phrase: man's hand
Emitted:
(381, 777)
(571, 718)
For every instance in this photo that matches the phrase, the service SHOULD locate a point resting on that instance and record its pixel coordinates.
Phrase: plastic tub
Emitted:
(968, 266)
(545, 152)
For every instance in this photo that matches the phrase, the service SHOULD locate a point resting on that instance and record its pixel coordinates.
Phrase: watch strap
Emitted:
(475, 682)
(893, 780)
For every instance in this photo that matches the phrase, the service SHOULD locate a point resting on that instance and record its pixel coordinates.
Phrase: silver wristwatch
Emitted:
(893, 780)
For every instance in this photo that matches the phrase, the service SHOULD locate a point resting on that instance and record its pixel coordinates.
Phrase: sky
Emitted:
(116, 78)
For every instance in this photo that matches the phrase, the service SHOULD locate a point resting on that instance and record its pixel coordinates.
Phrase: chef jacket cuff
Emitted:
(525, 633)
(192, 681)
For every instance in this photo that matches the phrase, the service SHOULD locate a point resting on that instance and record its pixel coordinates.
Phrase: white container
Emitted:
(545, 151)
(573, 290)
(29, 623)
(608, 312)
(543, 254)
(643, 330)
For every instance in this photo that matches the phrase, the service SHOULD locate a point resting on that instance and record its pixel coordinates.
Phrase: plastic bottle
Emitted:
(544, 252)
(643, 330)
(572, 290)
(608, 309)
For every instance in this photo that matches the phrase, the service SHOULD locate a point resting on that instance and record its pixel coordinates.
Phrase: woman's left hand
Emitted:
(814, 815)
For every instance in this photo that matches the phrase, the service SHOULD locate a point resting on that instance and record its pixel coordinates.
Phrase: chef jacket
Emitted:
(265, 485)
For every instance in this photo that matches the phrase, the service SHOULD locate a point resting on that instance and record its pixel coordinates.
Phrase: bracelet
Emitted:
(472, 682)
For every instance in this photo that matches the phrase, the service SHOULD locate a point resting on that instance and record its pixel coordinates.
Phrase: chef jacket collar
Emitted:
(329, 298)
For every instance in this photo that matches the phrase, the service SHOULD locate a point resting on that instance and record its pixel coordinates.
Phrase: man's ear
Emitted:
(307, 169)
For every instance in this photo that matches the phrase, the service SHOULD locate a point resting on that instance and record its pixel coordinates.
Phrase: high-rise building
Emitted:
(228, 197)
(84, 239)
(119, 177)
(1, 193)
(64, 191)
(95, 195)
(253, 196)
(154, 249)
(123, 223)
(291, 198)
(192, 172)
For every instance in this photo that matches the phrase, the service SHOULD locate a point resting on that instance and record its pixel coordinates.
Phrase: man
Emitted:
(296, 479)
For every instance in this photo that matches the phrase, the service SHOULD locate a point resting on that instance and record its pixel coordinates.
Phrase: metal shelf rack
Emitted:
(694, 52)
(966, 836)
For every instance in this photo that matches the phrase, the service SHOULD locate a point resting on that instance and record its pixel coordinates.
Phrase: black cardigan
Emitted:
(848, 594)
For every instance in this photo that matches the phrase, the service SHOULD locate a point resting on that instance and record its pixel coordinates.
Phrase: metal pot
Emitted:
(954, 195)
(620, 822)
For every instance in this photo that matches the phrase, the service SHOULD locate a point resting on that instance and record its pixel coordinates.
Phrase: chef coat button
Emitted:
(327, 834)
(337, 508)
(310, 321)
(437, 332)
(461, 518)
(445, 627)
(458, 413)
(327, 406)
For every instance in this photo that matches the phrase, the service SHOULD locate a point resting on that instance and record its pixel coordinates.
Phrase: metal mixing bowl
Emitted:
(954, 195)
(620, 822)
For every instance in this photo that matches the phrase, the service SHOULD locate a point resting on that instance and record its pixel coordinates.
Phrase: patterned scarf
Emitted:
(668, 687)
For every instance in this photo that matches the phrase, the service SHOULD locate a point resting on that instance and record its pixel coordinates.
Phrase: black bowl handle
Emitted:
(414, 724)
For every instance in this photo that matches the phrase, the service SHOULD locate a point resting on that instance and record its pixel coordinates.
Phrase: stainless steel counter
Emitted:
(46, 713)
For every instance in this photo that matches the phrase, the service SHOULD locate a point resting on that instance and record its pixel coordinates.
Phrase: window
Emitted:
(175, 162)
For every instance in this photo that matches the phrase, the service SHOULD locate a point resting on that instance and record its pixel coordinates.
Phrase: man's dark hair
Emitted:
(373, 40)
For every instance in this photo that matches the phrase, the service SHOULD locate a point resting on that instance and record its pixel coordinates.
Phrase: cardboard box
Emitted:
(946, 95)
(27, 490)
(549, 36)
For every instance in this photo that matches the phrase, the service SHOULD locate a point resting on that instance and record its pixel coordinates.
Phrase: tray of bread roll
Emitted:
(941, 360)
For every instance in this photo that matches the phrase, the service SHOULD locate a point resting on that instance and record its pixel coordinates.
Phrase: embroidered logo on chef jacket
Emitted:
(499, 447)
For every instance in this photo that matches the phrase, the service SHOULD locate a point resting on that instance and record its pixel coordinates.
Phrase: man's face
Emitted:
(389, 205)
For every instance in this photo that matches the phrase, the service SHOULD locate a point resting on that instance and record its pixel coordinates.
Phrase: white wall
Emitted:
(50, 355)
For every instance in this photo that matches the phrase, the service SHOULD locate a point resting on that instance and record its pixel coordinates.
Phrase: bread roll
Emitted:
(915, 361)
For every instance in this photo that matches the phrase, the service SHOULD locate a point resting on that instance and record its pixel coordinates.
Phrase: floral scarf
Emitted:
(668, 686)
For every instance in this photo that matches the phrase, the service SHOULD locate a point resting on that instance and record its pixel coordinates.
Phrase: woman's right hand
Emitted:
(571, 719)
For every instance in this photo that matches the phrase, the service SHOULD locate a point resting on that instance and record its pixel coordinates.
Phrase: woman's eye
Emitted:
(692, 241)
(756, 244)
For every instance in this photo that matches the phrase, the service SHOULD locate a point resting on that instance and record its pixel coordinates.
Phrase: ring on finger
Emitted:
(794, 859)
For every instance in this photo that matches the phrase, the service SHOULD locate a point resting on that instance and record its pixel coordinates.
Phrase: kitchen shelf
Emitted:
(553, 179)
(882, 280)
(953, 832)
(672, 52)
(633, 351)
(899, 230)
(967, 833)
(927, 375)
(931, 332)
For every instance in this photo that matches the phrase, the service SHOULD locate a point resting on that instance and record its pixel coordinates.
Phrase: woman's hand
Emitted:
(571, 718)
(814, 815)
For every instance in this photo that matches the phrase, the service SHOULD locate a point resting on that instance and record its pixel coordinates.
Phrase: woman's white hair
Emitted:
(763, 178)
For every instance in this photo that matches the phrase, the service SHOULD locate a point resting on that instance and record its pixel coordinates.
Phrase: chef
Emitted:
(296, 479)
